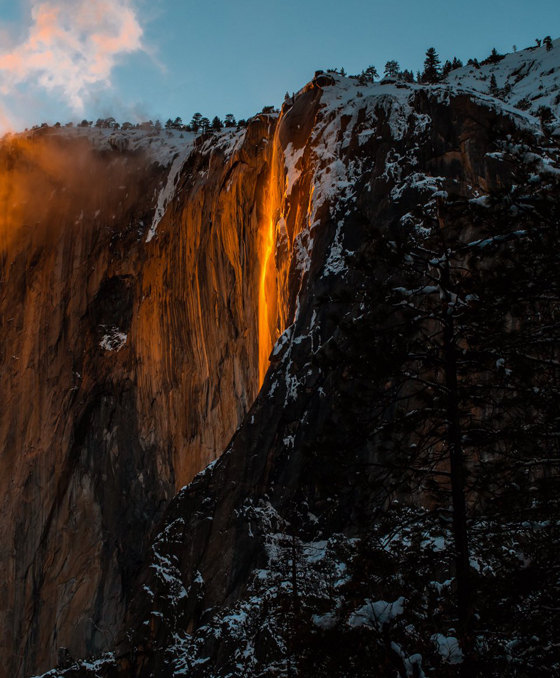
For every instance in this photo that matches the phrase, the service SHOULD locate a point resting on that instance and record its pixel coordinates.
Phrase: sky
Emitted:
(65, 60)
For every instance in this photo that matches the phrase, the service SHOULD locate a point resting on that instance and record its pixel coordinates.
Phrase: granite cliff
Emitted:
(250, 292)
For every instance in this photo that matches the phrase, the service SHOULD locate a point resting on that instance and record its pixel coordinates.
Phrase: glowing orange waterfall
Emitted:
(268, 325)
(265, 338)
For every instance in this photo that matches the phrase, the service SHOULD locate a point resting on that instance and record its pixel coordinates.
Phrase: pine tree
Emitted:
(217, 124)
(368, 75)
(230, 120)
(548, 43)
(195, 122)
(169, 123)
(493, 89)
(494, 57)
(204, 125)
(432, 67)
(392, 69)
(447, 68)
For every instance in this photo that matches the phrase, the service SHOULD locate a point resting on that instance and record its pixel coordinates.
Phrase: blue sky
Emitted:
(221, 57)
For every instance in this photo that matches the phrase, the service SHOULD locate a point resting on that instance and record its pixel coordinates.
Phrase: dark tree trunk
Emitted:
(457, 469)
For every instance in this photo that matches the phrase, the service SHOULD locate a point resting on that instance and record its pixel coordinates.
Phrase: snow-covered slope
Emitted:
(528, 79)
(161, 147)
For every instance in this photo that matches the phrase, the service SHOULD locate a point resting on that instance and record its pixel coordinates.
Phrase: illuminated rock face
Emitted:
(126, 365)
(132, 347)
(77, 480)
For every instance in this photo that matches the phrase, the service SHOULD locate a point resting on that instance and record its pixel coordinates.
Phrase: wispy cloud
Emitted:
(72, 47)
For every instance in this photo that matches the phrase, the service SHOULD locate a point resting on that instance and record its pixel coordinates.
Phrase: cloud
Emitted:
(72, 47)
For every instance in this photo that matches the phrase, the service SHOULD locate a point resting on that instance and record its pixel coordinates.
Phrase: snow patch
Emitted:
(168, 192)
(113, 339)
(449, 648)
(292, 158)
(376, 614)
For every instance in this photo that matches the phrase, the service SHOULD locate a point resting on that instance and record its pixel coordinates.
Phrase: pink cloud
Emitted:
(72, 46)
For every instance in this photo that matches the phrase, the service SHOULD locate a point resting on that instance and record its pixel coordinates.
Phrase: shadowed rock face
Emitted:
(128, 365)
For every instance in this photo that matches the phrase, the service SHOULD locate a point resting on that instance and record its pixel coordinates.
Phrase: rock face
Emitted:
(71, 459)
(250, 572)
(126, 365)
(135, 342)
